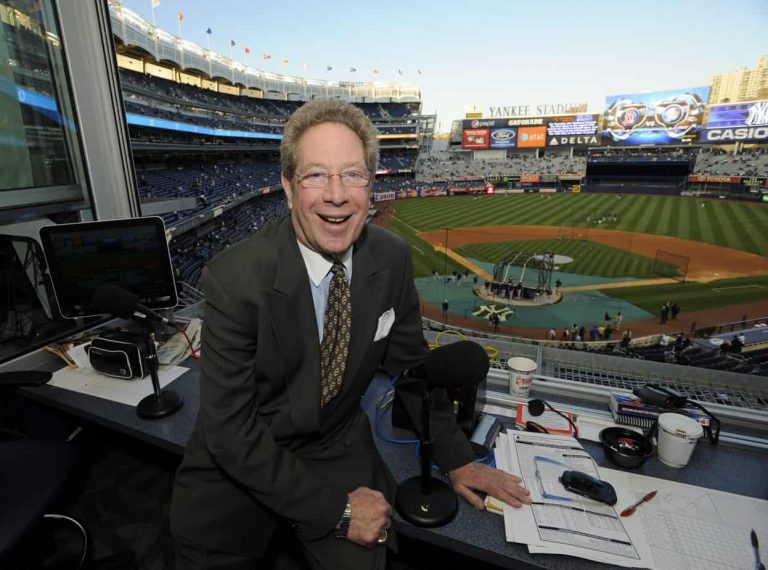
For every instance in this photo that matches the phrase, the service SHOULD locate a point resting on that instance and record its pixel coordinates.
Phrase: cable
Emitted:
(379, 407)
(192, 351)
(82, 531)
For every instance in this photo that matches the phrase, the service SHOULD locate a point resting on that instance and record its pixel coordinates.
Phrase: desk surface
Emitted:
(476, 534)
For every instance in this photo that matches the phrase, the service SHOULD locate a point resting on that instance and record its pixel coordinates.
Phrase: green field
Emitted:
(692, 296)
(732, 224)
(590, 258)
(742, 226)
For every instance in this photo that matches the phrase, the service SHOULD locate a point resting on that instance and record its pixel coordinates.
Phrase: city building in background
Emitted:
(744, 84)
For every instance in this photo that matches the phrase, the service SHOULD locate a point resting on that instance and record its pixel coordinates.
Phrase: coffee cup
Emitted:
(678, 435)
(520, 375)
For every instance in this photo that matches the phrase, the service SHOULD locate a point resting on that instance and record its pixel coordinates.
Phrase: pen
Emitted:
(632, 508)
(756, 546)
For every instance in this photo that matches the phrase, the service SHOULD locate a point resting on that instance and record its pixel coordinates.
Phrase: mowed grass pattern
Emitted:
(590, 258)
(737, 225)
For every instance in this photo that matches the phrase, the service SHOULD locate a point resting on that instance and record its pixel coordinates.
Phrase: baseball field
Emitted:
(707, 254)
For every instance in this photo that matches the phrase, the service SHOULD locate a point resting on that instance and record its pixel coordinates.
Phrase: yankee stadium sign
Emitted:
(537, 110)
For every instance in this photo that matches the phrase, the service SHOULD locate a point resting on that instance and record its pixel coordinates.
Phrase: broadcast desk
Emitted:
(479, 535)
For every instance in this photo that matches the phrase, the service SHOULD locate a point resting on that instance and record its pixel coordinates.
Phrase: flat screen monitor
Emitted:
(132, 254)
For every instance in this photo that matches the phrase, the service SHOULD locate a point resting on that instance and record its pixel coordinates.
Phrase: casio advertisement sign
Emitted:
(735, 134)
(746, 121)
(503, 138)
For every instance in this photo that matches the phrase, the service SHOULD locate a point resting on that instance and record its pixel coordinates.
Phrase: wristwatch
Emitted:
(346, 518)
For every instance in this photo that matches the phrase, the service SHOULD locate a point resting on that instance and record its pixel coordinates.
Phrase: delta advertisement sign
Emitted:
(573, 130)
(737, 122)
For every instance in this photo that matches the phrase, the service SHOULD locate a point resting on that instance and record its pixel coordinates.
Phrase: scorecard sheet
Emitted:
(683, 528)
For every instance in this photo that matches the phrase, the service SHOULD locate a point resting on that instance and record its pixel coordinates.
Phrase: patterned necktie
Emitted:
(337, 325)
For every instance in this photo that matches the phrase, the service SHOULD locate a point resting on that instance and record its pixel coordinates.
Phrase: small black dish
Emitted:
(625, 448)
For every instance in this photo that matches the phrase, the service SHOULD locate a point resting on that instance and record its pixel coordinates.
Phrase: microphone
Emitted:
(536, 408)
(109, 298)
(423, 500)
(462, 363)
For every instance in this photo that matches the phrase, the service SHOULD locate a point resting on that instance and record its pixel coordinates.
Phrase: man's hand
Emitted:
(494, 482)
(370, 516)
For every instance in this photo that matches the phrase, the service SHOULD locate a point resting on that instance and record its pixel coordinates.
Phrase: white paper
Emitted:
(86, 381)
(683, 528)
(572, 524)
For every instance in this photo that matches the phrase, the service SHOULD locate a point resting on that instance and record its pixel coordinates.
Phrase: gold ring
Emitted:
(383, 538)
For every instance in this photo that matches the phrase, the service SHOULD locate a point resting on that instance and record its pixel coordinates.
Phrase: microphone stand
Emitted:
(423, 500)
(160, 403)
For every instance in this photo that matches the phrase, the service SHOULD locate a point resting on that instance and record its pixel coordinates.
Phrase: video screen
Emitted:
(662, 117)
(132, 254)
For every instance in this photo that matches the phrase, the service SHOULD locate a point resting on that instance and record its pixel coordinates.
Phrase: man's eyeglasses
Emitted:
(349, 178)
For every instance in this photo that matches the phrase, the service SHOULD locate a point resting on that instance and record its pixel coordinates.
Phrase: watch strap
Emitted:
(346, 518)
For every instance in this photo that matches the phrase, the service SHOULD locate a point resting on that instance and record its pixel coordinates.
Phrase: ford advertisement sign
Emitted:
(504, 138)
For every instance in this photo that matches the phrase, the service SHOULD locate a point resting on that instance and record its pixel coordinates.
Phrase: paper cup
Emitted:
(520, 375)
(678, 435)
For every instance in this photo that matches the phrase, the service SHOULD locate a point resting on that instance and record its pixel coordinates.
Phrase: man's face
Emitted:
(328, 220)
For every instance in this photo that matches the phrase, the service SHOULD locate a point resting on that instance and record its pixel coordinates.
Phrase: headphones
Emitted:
(536, 408)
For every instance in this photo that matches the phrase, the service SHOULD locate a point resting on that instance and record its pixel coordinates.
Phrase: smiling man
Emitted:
(298, 319)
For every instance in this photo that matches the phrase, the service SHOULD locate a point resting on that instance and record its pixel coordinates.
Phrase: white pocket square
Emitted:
(386, 320)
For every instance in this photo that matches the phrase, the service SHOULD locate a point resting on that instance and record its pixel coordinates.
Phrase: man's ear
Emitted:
(288, 190)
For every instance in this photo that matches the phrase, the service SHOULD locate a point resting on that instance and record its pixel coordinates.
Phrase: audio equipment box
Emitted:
(120, 355)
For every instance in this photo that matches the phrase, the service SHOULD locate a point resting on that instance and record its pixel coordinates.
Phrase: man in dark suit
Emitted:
(272, 441)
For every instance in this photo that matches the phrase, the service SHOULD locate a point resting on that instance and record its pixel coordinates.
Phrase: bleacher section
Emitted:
(716, 162)
(193, 249)
(446, 164)
(212, 184)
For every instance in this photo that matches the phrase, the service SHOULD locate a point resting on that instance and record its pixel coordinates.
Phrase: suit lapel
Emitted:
(292, 314)
(369, 281)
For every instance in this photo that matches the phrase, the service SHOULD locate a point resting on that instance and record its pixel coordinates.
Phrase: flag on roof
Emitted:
(418, 71)
(329, 68)
(285, 61)
(352, 69)
(181, 16)
(208, 31)
(247, 50)
(266, 56)
(399, 71)
(375, 71)
(232, 43)
(155, 3)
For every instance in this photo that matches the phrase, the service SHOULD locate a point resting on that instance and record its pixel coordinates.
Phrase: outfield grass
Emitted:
(425, 259)
(590, 258)
(737, 225)
(693, 296)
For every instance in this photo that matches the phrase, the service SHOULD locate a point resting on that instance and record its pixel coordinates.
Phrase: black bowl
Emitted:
(624, 447)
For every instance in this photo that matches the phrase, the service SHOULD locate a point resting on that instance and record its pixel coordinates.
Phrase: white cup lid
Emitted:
(680, 425)
(521, 364)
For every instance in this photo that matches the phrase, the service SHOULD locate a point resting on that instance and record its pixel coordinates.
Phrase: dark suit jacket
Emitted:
(260, 420)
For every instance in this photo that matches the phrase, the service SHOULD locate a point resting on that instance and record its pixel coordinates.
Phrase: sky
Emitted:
(483, 53)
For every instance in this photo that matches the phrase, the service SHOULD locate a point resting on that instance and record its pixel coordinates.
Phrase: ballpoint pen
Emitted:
(758, 565)
(631, 509)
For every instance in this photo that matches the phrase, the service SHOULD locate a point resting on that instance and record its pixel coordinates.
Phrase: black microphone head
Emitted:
(109, 298)
(536, 407)
(462, 363)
